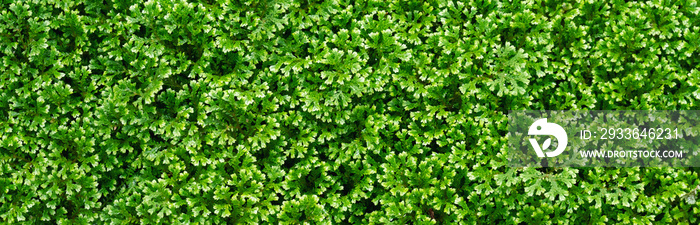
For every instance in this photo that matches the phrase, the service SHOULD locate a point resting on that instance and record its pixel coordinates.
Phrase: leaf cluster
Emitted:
(303, 112)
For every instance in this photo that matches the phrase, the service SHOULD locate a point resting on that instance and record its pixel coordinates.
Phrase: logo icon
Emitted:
(541, 127)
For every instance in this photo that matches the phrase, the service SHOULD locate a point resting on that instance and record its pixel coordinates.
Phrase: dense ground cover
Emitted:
(329, 111)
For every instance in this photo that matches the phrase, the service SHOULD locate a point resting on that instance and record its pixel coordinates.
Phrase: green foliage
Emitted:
(217, 111)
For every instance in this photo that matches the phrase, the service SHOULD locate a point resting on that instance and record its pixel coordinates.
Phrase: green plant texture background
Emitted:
(329, 112)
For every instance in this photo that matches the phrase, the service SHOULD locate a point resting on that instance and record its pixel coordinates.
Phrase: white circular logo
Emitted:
(541, 127)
